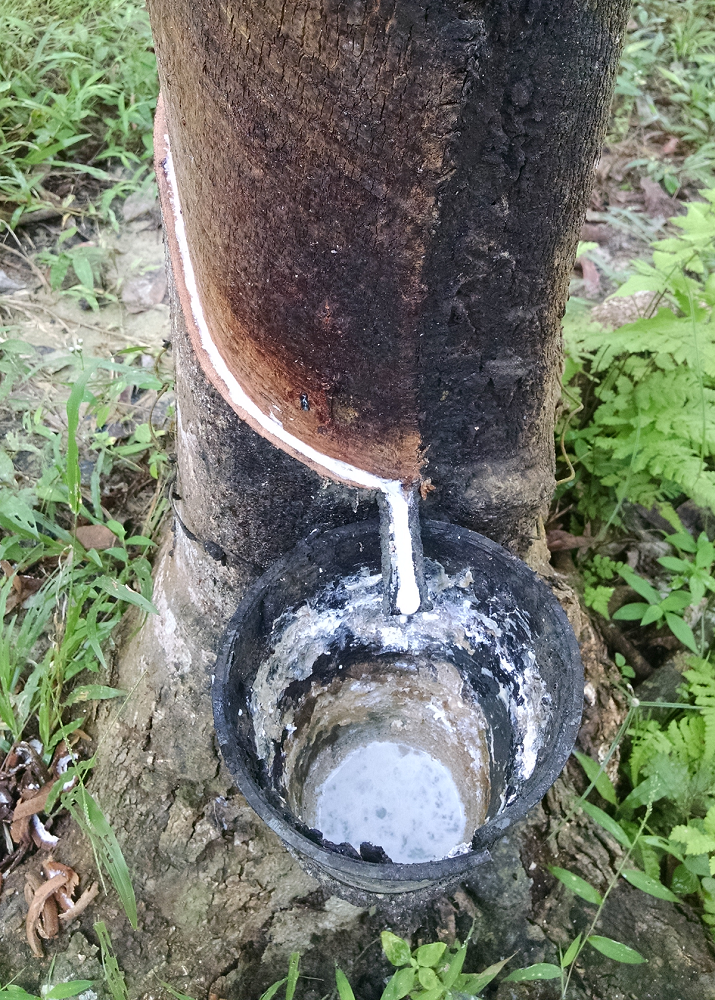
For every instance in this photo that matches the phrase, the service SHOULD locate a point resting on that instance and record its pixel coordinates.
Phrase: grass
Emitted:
(78, 89)
(74, 559)
(666, 88)
(77, 593)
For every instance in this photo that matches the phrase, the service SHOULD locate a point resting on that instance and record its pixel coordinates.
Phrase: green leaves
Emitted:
(176, 994)
(571, 952)
(640, 585)
(122, 592)
(113, 975)
(428, 955)
(272, 990)
(432, 970)
(93, 692)
(598, 777)
(454, 969)
(73, 404)
(648, 432)
(344, 988)
(396, 949)
(474, 983)
(608, 823)
(684, 882)
(400, 985)
(577, 885)
(615, 950)
(542, 970)
(63, 990)
(428, 979)
(649, 885)
(90, 818)
(695, 841)
(671, 607)
(87, 75)
(682, 631)
(293, 973)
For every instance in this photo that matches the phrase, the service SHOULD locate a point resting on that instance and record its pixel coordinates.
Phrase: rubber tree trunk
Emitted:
(381, 205)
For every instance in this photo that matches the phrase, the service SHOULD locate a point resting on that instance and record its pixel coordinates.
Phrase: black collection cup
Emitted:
(281, 725)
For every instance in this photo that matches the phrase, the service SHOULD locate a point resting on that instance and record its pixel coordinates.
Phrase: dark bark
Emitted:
(382, 203)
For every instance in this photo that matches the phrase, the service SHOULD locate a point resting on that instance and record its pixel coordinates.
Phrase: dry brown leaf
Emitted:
(51, 868)
(12, 602)
(32, 804)
(82, 903)
(35, 909)
(29, 585)
(591, 276)
(49, 925)
(22, 586)
(559, 541)
(9, 570)
(658, 204)
(32, 884)
(144, 291)
(597, 232)
(96, 536)
(20, 831)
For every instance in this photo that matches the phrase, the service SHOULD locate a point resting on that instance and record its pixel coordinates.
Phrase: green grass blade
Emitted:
(272, 990)
(84, 808)
(64, 990)
(293, 973)
(649, 885)
(124, 593)
(598, 777)
(608, 823)
(345, 991)
(113, 975)
(577, 885)
(615, 950)
(76, 397)
(543, 970)
(177, 994)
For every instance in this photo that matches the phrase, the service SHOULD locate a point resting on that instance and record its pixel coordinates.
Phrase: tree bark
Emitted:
(382, 203)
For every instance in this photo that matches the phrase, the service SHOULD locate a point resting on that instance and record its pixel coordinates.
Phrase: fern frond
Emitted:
(687, 737)
(648, 742)
(695, 841)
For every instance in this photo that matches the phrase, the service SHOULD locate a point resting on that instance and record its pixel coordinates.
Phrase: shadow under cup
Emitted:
(390, 752)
